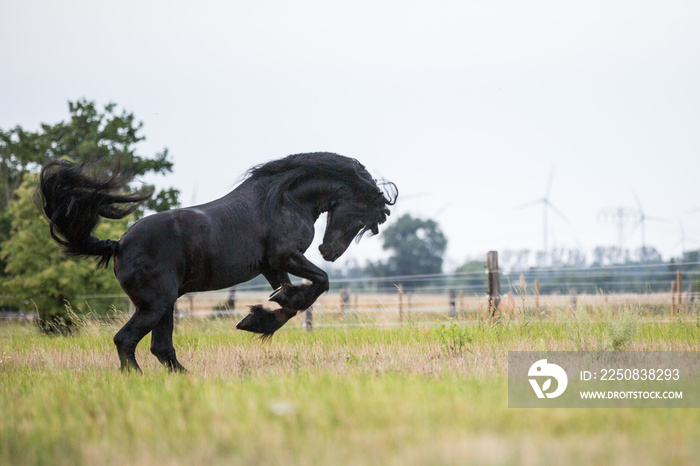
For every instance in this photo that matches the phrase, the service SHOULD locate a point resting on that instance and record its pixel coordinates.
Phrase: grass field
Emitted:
(421, 393)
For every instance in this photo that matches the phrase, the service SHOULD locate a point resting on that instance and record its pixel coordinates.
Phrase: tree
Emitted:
(32, 269)
(38, 273)
(471, 276)
(105, 138)
(417, 246)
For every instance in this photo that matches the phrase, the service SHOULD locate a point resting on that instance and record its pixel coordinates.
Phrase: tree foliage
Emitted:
(32, 268)
(104, 138)
(417, 247)
(38, 274)
(472, 275)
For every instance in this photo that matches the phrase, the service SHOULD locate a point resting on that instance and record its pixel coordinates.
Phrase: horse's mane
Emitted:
(284, 173)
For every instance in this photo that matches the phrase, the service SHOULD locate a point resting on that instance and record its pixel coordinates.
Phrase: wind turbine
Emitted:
(643, 219)
(684, 239)
(546, 205)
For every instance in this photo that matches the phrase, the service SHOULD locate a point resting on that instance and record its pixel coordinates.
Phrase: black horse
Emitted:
(263, 226)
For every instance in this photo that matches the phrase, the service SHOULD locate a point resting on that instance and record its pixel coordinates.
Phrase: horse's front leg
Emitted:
(301, 297)
(291, 298)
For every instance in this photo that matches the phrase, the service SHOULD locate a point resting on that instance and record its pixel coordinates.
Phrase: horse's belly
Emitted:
(219, 280)
(218, 268)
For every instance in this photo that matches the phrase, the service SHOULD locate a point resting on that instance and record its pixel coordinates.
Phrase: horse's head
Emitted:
(355, 215)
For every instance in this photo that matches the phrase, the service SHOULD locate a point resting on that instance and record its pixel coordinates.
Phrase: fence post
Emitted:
(231, 302)
(537, 295)
(673, 296)
(409, 297)
(453, 303)
(308, 322)
(573, 298)
(494, 281)
(400, 289)
(344, 299)
(679, 280)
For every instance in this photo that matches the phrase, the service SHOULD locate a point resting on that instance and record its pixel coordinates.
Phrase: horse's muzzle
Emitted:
(328, 253)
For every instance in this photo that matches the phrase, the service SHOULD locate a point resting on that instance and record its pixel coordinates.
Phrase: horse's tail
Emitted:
(74, 201)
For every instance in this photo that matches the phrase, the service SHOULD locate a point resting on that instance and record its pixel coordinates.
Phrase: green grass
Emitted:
(415, 394)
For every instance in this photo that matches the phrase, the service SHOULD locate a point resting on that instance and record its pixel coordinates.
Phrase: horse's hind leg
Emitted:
(162, 343)
(144, 320)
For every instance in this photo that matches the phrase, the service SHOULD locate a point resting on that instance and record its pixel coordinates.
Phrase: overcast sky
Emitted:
(468, 106)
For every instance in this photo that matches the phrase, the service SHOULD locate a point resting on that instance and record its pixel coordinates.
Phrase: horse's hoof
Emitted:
(176, 368)
(265, 321)
(130, 368)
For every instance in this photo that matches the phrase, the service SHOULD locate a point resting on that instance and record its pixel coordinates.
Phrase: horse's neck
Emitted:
(318, 194)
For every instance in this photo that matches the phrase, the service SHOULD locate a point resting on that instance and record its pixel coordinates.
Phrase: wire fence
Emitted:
(669, 287)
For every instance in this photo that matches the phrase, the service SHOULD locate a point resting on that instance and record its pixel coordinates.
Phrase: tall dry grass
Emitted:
(420, 393)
